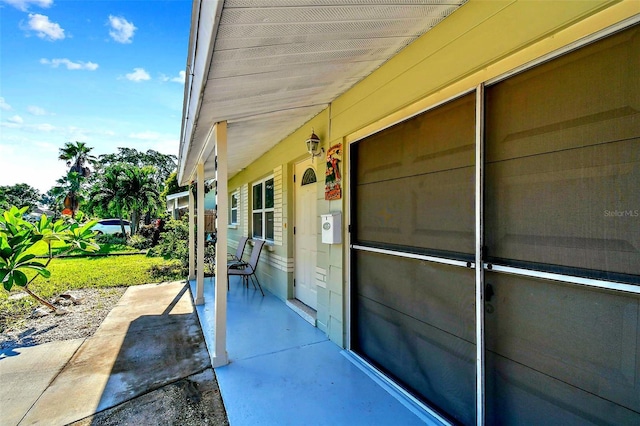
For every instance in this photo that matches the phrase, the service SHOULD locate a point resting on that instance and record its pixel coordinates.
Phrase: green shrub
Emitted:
(209, 259)
(139, 242)
(111, 239)
(19, 266)
(174, 242)
(146, 231)
(171, 270)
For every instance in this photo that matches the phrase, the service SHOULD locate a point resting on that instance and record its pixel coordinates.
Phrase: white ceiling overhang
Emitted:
(268, 66)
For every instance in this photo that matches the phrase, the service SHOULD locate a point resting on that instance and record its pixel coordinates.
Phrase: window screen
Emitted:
(563, 163)
(413, 188)
(561, 354)
(416, 321)
(562, 194)
(415, 183)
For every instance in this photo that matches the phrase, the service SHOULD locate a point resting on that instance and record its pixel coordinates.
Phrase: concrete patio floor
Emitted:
(284, 371)
(149, 340)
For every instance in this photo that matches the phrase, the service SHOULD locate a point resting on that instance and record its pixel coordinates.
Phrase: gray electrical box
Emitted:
(331, 228)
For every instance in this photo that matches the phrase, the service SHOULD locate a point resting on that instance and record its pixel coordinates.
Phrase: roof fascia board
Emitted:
(207, 14)
(188, 80)
(177, 195)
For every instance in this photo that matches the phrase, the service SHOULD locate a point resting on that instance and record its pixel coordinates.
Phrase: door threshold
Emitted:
(306, 312)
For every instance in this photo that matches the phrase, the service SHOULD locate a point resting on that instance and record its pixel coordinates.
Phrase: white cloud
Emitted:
(4, 105)
(44, 28)
(16, 119)
(138, 74)
(55, 63)
(36, 110)
(146, 136)
(180, 78)
(121, 30)
(23, 5)
(45, 127)
(46, 146)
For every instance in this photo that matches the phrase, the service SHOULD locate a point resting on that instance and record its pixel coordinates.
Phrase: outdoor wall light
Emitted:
(313, 145)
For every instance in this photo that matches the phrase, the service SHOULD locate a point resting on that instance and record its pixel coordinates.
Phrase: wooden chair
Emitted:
(247, 270)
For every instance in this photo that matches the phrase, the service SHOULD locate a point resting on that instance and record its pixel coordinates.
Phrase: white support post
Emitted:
(192, 235)
(200, 235)
(220, 356)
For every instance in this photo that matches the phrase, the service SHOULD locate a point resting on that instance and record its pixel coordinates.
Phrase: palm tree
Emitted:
(139, 192)
(77, 154)
(107, 192)
(124, 188)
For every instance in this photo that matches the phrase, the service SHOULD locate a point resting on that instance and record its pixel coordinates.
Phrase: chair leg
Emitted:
(259, 286)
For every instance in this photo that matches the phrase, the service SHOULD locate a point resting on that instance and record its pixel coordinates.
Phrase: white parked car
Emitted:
(111, 226)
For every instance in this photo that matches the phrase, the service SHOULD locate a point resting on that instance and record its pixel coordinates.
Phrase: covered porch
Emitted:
(284, 371)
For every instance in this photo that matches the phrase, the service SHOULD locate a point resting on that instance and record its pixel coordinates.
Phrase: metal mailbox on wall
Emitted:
(331, 228)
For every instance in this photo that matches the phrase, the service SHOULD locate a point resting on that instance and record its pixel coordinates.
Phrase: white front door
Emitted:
(306, 226)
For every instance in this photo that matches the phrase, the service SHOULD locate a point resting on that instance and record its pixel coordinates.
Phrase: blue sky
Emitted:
(109, 73)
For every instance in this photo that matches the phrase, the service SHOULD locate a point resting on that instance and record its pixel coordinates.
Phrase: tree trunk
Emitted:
(124, 233)
(134, 221)
(40, 299)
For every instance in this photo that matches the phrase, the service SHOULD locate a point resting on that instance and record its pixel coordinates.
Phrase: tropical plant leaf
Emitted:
(5, 248)
(44, 272)
(19, 278)
(24, 257)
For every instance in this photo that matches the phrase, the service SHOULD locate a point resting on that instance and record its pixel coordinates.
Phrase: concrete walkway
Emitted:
(151, 338)
(284, 371)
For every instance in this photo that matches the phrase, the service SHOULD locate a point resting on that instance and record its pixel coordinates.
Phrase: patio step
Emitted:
(306, 312)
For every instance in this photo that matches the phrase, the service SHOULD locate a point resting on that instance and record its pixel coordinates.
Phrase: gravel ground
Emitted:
(81, 321)
(191, 401)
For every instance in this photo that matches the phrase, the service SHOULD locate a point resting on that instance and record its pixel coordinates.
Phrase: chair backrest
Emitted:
(255, 254)
(242, 243)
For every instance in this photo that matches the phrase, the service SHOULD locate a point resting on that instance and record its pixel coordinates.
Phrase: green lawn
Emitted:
(40, 249)
(82, 272)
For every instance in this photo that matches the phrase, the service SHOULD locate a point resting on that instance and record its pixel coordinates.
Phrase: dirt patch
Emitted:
(87, 308)
(194, 400)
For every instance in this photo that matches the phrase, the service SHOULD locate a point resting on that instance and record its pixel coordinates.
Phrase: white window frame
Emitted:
(234, 196)
(261, 235)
